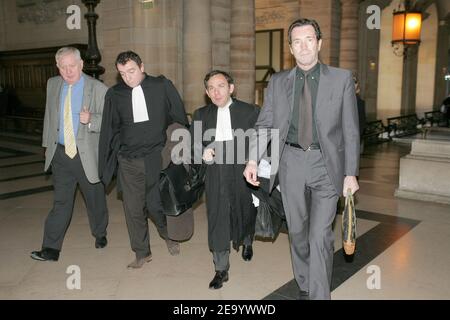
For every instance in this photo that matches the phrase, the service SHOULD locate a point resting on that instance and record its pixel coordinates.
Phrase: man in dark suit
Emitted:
(445, 109)
(230, 211)
(137, 114)
(73, 115)
(313, 109)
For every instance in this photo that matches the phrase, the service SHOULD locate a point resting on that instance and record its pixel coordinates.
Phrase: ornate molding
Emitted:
(271, 16)
(40, 11)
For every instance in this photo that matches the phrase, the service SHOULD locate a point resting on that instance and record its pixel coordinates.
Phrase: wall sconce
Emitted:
(406, 27)
(147, 4)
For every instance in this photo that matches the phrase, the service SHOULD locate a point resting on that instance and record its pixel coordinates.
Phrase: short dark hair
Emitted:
(304, 22)
(126, 56)
(211, 74)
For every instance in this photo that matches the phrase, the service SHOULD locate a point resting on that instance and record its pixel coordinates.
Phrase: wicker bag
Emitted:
(349, 225)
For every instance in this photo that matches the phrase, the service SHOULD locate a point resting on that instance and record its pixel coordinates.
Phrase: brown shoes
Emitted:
(138, 263)
(173, 247)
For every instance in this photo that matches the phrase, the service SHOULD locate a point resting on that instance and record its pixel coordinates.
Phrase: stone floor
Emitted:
(402, 246)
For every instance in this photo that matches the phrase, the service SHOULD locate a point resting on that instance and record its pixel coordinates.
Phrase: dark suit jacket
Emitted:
(336, 121)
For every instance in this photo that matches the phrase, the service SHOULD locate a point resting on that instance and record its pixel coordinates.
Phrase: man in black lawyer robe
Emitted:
(136, 116)
(230, 211)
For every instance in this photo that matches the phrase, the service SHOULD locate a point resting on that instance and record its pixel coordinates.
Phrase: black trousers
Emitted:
(141, 201)
(67, 174)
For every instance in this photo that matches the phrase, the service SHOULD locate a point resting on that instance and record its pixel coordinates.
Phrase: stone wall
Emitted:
(327, 14)
(173, 40)
(153, 33)
(348, 57)
(242, 49)
(196, 51)
(221, 33)
(426, 67)
(117, 19)
(39, 26)
(390, 70)
(273, 14)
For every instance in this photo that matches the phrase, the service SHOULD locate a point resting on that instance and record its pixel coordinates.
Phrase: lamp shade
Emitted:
(406, 27)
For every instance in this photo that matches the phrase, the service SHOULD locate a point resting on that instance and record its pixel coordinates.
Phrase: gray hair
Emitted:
(67, 50)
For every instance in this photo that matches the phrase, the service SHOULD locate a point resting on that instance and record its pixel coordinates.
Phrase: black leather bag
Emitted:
(270, 213)
(181, 188)
(268, 223)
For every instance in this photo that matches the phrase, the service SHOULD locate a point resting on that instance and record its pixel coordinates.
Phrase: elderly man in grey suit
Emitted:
(73, 117)
(313, 108)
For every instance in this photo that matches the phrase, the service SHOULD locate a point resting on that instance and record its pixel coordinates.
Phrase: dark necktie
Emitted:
(305, 117)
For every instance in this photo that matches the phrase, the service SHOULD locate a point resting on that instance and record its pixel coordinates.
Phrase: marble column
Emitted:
(220, 26)
(196, 51)
(242, 48)
(409, 80)
(368, 58)
(348, 57)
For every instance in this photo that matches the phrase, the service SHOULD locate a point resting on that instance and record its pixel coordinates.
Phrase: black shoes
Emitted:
(218, 280)
(49, 254)
(247, 252)
(101, 242)
(46, 254)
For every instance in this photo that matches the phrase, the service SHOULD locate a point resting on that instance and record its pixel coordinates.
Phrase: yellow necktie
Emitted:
(69, 137)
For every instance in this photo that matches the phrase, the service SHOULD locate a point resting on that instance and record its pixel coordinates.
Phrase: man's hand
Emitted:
(251, 173)
(208, 155)
(85, 116)
(351, 183)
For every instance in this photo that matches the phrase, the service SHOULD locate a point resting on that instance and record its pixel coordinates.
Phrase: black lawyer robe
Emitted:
(120, 135)
(230, 210)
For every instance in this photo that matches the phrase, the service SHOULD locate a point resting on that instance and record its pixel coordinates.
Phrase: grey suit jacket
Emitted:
(87, 137)
(336, 121)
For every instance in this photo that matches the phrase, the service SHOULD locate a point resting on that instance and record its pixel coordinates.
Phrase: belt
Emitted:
(314, 146)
